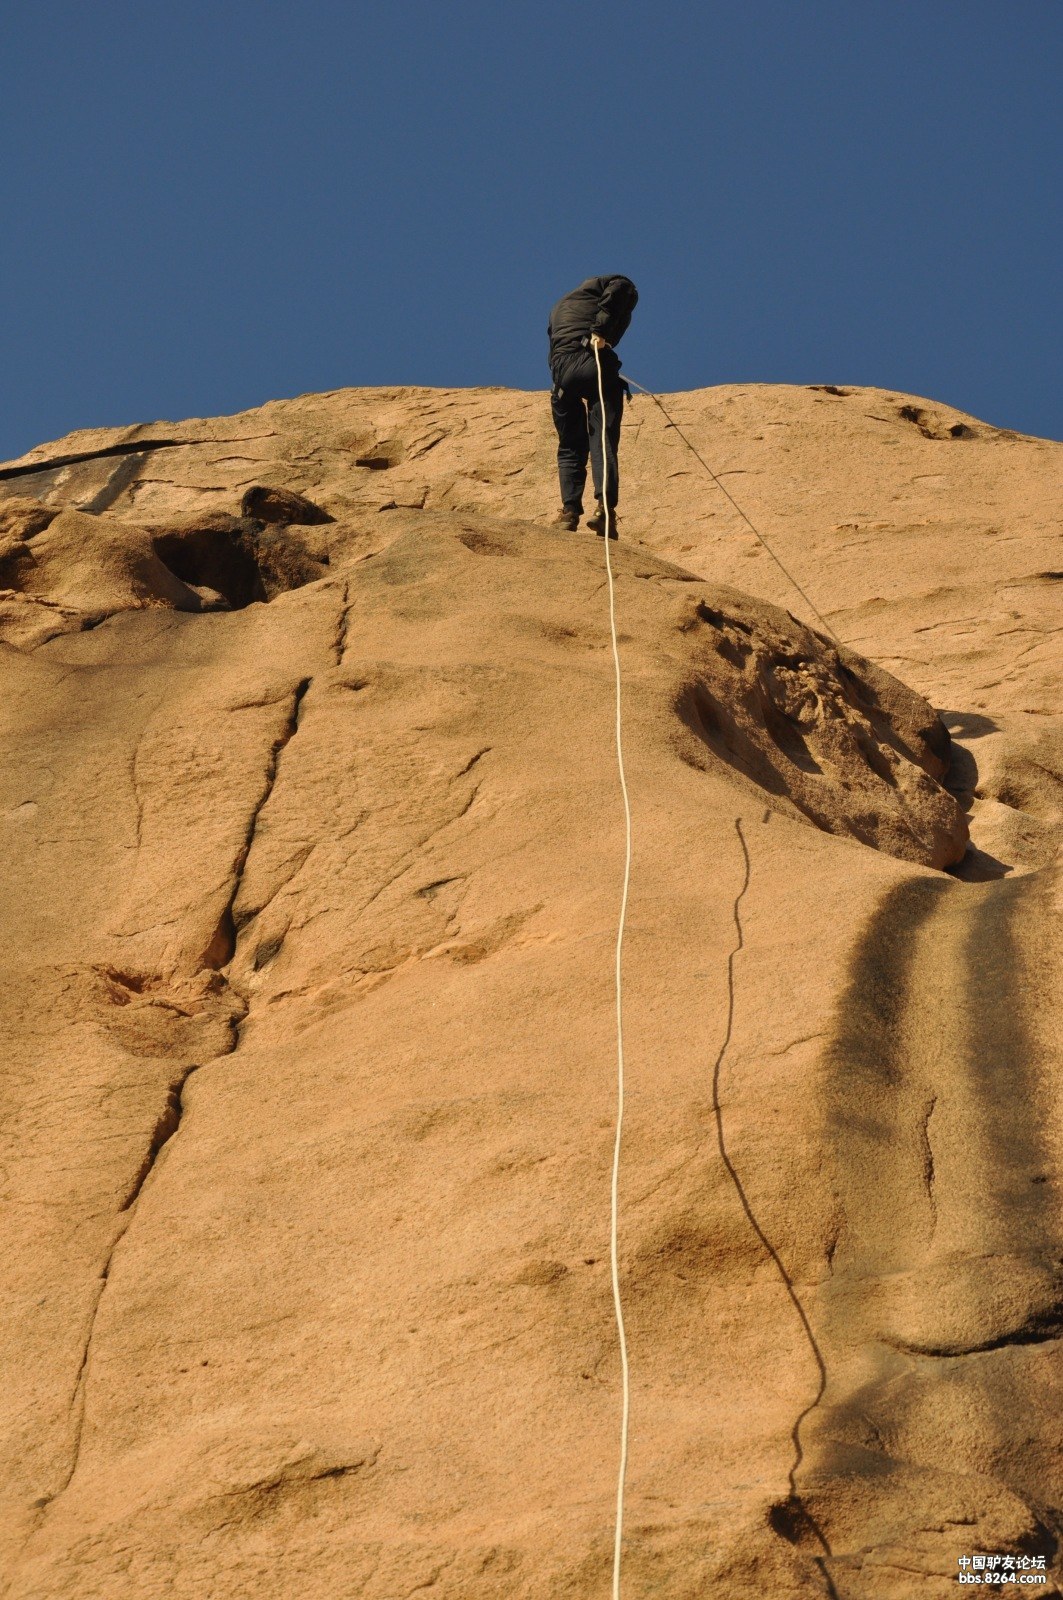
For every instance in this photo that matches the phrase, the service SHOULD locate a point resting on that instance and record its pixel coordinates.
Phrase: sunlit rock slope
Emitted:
(312, 845)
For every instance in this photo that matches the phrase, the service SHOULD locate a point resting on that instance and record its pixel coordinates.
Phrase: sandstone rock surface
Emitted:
(313, 846)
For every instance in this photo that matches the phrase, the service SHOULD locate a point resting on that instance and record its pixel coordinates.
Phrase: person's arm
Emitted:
(615, 305)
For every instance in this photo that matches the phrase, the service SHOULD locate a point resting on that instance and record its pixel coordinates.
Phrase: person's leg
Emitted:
(570, 420)
(614, 411)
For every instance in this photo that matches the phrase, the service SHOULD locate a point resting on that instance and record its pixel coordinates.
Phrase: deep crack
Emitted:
(138, 798)
(166, 1126)
(928, 1162)
(1040, 1327)
(131, 447)
(127, 447)
(168, 1122)
(339, 643)
(222, 945)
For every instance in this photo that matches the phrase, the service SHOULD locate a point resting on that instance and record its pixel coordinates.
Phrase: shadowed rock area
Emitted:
(313, 848)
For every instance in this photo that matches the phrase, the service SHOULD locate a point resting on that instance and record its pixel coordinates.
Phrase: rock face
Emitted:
(313, 848)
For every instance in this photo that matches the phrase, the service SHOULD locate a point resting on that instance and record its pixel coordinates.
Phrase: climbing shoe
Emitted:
(567, 518)
(597, 522)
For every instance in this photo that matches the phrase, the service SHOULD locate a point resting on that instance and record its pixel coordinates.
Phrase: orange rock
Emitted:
(308, 932)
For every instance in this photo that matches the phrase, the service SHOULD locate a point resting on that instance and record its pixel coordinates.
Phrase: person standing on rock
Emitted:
(594, 316)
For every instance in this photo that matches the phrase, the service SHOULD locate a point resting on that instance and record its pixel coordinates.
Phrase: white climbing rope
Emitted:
(615, 1185)
(615, 1182)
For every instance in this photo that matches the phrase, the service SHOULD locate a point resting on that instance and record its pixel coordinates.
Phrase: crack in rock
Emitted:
(222, 945)
(339, 643)
(1041, 1327)
(928, 1162)
(129, 448)
(168, 1122)
(166, 1126)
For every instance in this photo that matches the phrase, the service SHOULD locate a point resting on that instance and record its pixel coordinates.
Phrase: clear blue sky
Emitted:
(208, 205)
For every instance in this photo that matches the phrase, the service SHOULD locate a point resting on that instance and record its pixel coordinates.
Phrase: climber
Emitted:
(594, 316)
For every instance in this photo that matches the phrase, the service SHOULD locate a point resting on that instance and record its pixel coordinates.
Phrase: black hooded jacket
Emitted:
(599, 305)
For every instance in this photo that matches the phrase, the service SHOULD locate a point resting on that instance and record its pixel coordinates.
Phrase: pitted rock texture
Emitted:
(842, 741)
(312, 850)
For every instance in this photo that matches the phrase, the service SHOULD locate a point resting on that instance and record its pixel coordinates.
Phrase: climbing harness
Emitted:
(614, 1187)
(744, 515)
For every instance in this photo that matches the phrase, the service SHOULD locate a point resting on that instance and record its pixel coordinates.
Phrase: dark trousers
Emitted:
(577, 416)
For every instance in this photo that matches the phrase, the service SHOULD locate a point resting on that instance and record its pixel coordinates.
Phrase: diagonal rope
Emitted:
(615, 1183)
(745, 518)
